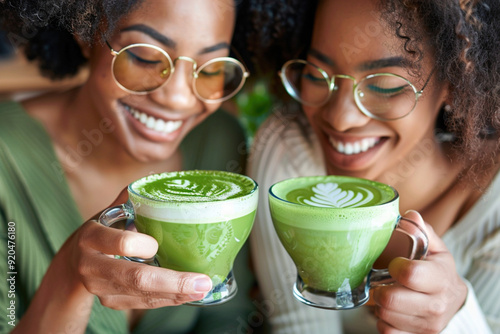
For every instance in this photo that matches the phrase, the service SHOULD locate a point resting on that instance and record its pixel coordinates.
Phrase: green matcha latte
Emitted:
(333, 227)
(199, 218)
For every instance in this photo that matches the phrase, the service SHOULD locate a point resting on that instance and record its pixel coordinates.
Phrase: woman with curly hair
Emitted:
(407, 93)
(65, 155)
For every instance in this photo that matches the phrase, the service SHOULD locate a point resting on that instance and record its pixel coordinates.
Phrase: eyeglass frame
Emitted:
(195, 70)
(332, 86)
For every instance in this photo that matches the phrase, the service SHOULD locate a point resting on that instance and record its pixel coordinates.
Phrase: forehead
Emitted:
(185, 20)
(352, 32)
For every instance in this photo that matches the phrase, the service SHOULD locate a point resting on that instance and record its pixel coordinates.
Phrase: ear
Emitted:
(84, 47)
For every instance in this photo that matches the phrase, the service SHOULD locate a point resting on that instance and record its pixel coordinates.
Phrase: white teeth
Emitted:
(356, 147)
(159, 125)
(152, 123)
(143, 118)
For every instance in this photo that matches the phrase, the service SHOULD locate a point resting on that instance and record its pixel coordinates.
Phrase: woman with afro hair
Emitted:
(407, 93)
(66, 155)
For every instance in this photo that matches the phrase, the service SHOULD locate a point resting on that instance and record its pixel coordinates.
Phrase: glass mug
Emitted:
(200, 219)
(334, 228)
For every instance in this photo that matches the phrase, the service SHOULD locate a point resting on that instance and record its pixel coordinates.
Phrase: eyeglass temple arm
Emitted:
(113, 52)
(246, 74)
(426, 82)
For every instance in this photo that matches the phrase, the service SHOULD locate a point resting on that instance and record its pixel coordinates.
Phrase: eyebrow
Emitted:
(380, 63)
(366, 66)
(152, 33)
(169, 42)
(219, 46)
(321, 57)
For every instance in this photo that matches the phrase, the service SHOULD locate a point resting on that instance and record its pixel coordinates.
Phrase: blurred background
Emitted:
(20, 79)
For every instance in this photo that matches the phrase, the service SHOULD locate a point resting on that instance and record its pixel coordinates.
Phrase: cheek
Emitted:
(313, 117)
(210, 108)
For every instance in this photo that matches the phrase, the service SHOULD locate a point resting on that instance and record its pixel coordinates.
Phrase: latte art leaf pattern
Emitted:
(331, 195)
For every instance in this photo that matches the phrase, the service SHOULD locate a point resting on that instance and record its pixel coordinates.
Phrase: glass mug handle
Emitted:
(380, 277)
(119, 213)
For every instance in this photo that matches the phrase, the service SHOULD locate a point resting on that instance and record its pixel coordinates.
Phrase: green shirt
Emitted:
(38, 213)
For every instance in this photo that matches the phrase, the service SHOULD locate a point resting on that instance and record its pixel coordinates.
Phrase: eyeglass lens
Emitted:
(143, 69)
(384, 96)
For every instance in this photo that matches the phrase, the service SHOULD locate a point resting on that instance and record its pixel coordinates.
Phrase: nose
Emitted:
(341, 111)
(177, 93)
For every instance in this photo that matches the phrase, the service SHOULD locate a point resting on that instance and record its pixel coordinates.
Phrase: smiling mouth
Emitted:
(153, 123)
(356, 147)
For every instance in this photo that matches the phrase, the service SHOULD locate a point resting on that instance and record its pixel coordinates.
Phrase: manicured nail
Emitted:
(202, 285)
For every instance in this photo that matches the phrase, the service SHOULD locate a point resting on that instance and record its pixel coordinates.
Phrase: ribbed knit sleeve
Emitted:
(283, 150)
(280, 152)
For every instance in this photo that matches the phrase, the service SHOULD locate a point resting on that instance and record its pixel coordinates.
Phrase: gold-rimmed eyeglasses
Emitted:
(142, 68)
(382, 96)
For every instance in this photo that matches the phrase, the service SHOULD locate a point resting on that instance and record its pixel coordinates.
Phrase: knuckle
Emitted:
(84, 235)
(178, 301)
(140, 279)
(437, 308)
(183, 284)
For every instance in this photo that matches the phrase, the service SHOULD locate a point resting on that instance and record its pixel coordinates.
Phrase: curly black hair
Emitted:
(465, 37)
(45, 29)
(271, 32)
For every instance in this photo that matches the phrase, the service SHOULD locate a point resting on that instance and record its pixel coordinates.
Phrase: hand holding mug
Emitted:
(428, 292)
(200, 220)
(128, 285)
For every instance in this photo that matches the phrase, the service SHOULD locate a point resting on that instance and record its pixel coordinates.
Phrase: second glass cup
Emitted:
(334, 228)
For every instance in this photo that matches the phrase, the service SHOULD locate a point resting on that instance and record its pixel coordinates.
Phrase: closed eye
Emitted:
(213, 73)
(310, 77)
(387, 91)
(138, 59)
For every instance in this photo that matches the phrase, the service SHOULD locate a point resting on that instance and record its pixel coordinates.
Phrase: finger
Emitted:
(399, 299)
(420, 275)
(387, 328)
(436, 245)
(123, 302)
(117, 242)
(136, 279)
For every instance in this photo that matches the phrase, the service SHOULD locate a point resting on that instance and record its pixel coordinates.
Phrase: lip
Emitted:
(177, 125)
(352, 152)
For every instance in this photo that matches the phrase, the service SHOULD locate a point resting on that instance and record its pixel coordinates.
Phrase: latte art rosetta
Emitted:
(332, 195)
(193, 186)
(186, 190)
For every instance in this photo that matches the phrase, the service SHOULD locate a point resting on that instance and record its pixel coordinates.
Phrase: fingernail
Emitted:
(202, 285)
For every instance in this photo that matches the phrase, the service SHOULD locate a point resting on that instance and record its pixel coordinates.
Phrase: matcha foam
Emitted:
(175, 196)
(312, 202)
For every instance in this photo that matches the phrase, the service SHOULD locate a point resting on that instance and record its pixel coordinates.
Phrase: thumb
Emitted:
(436, 245)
